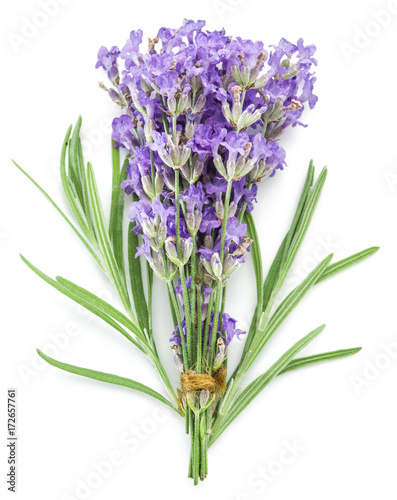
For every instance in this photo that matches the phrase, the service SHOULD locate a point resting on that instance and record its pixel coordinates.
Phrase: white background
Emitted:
(342, 416)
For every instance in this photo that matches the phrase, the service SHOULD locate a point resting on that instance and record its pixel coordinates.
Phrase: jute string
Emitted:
(193, 382)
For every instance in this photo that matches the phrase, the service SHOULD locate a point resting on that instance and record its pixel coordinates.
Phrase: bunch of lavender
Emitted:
(202, 115)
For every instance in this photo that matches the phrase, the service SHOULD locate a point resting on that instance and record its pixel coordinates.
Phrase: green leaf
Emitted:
(302, 203)
(273, 281)
(117, 221)
(77, 232)
(273, 274)
(343, 264)
(76, 163)
(137, 288)
(319, 358)
(100, 304)
(104, 241)
(106, 377)
(149, 280)
(256, 255)
(115, 187)
(285, 308)
(257, 386)
(73, 199)
(98, 312)
(302, 226)
(75, 170)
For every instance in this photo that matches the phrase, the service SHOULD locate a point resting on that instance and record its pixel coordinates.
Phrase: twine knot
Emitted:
(192, 382)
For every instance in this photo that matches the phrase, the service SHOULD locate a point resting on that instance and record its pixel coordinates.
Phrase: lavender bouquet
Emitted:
(200, 121)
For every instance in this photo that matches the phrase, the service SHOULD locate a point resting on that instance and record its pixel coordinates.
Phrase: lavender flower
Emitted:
(203, 115)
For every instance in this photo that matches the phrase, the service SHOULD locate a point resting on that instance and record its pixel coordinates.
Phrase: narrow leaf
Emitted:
(100, 304)
(302, 227)
(104, 241)
(72, 197)
(286, 307)
(81, 301)
(257, 386)
(106, 377)
(115, 186)
(117, 221)
(137, 288)
(256, 255)
(300, 209)
(319, 358)
(76, 231)
(343, 264)
(75, 170)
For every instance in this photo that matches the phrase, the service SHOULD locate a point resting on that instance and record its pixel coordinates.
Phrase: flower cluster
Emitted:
(202, 117)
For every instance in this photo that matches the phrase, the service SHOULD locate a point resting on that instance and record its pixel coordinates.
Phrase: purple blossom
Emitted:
(194, 197)
(184, 80)
(107, 59)
(167, 82)
(122, 134)
(229, 330)
(235, 142)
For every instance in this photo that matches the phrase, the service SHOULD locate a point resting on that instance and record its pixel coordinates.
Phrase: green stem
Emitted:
(225, 219)
(215, 325)
(264, 127)
(195, 332)
(204, 447)
(219, 286)
(164, 377)
(207, 325)
(188, 318)
(149, 273)
(243, 97)
(199, 330)
(153, 175)
(196, 441)
(179, 321)
(178, 245)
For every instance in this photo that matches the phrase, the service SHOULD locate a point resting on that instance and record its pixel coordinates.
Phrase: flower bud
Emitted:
(148, 186)
(243, 169)
(226, 111)
(149, 229)
(158, 183)
(158, 269)
(177, 358)
(161, 236)
(171, 103)
(171, 251)
(148, 129)
(114, 96)
(232, 210)
(197, 171)
(183, 103)
(220, 355)
(220, 167)
(186, 249)
(261, 81)
(231, 168)
(236, 111)
(199, 104)
(204, 397)
(219, 209)
(171, 270)
(247, 119)
(195, 82)
(216, 265)
(189, 129)
(230, 266)
(146, 87)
